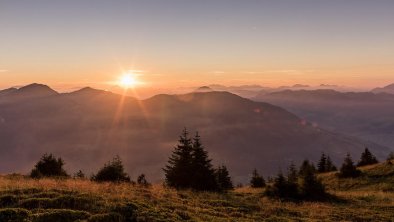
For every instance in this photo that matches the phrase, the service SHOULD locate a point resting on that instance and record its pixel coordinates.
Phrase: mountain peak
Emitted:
(35, 90)
(204, 89)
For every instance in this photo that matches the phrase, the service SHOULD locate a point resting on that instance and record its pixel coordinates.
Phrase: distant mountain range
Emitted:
(251, 91)
(365, 115)
(386, 89)
(88, 127)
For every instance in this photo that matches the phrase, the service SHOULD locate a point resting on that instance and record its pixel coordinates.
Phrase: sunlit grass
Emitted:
(366, 198)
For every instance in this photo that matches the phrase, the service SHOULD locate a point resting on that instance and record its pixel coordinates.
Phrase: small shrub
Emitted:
(112, 172)
(14, 215)
(141, 180)
(49, 166)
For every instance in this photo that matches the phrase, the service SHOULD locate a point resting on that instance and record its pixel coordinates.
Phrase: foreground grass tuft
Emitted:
(366, 198)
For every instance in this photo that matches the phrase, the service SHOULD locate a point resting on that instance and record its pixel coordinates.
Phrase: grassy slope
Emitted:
(368, 198)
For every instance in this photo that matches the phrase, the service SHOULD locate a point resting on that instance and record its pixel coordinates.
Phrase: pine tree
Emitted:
(257, 181)
(223, 179)
(292, 181)
(112, 171)
(367, 158)
(49, 166)
(178, 169)
(348, 169)
(310, 186)
(306, 166)
(279, 188)
(329, 165)
(203, 174)
(321, 166)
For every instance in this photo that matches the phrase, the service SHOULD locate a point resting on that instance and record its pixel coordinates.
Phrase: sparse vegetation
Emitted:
(348, 169)
(113, 171)
(49, 166)
(369, 197)
(367, 158)
(257, 181)
(325, 164)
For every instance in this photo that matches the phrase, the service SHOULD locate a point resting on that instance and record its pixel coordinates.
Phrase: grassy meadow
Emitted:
(366, 198)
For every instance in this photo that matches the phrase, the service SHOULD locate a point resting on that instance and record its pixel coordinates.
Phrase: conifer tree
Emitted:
(367, 158)
(348, 169)
(223, 179)
(257, 181)
(292, 181)
(306, 166)
(279, 188)
(329, 165)
(203, 174)
(178, 169)
(310, 186)
(321, 166)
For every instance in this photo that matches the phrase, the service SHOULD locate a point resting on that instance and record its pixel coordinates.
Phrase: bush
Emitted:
(61, 215)
(112, 172)
(14, 215)
(141, 180)
(49, 166)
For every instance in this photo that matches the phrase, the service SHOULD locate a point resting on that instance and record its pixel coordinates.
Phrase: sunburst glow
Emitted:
(128, 80)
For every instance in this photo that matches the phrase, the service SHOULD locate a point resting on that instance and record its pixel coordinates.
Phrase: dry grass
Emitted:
(361, 199)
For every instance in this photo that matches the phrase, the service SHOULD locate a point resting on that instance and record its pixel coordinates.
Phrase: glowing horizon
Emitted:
(178, 43)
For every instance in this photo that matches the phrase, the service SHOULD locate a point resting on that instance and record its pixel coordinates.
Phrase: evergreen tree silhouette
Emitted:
(292, 181)
(322, 165)
(179, 167)
(329, 165)
(203, 174)
(367, 158)
(310, 186)
(306, 166)
(279, 187)
(49, 166)
(257, 181)
(348, 169)
(223, 179)
(113, 171)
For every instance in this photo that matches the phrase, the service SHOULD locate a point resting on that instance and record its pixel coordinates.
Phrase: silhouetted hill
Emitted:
(365, 115)
(87, 127)
(386, 89)
(204, 89)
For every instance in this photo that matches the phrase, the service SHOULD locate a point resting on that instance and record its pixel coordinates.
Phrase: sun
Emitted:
(128, 80)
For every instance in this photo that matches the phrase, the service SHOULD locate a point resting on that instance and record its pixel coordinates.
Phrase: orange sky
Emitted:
(176, 43)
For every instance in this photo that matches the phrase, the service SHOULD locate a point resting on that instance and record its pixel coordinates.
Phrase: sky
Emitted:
(177, 43)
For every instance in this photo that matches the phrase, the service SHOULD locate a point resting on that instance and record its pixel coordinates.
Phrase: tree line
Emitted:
(189, 167)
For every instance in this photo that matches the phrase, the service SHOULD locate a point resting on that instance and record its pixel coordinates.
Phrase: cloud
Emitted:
(3, 70)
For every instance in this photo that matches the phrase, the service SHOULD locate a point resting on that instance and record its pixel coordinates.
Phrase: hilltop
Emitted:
(367, 198)
(88, 127)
